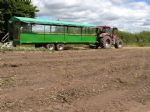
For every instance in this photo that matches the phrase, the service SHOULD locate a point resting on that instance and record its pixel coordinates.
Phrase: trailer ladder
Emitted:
(6, 42)
(4, 39)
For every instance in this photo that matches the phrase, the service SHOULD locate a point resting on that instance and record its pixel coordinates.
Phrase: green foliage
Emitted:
(1, 22)
(9, 8)
(139, 39)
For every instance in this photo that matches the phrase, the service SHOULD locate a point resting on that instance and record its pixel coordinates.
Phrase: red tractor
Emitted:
(107, 37)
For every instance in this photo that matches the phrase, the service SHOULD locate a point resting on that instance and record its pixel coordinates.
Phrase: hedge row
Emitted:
(140, 39)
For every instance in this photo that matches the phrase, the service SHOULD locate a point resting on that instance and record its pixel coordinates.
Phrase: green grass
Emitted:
(137, 45)
(23, 49)
(68, 47)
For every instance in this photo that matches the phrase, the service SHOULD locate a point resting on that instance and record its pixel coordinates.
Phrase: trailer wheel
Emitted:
(106, 42)
(59, 47)
(118, 43)
(50, 47)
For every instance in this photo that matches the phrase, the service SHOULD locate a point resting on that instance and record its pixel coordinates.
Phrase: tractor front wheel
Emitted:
(118, 43)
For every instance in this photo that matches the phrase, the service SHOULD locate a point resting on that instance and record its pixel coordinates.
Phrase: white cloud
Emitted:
(127, 15)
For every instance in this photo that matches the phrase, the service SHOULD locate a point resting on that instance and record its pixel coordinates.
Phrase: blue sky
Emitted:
(127, 15)
(147, 1)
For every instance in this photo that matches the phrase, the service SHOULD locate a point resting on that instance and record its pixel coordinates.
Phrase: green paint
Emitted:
(31, 38)
(56, 38)
(66, 37)
(89, 38)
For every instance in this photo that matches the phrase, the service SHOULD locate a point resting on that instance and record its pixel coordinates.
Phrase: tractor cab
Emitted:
(107, 30)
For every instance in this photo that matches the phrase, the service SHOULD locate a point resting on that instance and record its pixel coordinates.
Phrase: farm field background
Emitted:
(113, 80)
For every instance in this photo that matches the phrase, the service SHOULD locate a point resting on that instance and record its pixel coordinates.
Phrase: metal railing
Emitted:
(5, 38)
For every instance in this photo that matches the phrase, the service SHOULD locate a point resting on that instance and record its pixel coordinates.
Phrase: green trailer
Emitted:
(54, 34)
(50, 33)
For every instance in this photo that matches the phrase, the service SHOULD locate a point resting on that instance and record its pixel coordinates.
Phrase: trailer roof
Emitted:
(49, 22)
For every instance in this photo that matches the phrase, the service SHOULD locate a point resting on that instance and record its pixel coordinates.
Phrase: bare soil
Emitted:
(115, 80)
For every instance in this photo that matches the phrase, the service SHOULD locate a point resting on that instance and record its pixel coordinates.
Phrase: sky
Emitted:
(127, 15)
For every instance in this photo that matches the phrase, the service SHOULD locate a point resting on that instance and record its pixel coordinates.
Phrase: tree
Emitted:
(1, 22)
(9, 8)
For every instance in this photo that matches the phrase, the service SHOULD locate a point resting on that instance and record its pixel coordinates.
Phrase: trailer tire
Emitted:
(106, 42)
(118, 43)
(50, 47)
(59, 47)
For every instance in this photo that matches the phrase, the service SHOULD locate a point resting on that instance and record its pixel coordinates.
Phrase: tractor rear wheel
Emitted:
(59, 47)
(106, 42)
(118, 43)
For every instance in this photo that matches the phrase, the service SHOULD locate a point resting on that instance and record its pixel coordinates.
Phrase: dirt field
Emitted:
(75, 81)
